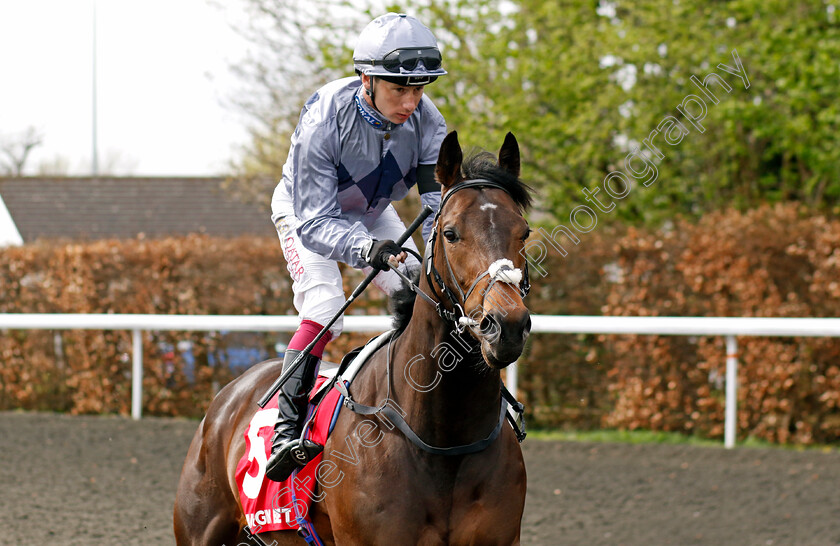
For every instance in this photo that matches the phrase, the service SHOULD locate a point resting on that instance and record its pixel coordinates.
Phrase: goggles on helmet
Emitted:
(407, 59)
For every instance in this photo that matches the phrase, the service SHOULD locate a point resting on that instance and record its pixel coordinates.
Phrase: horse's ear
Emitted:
(448, 170)
(509, 155)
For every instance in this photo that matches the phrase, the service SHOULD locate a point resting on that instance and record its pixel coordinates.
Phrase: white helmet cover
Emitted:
(398, 45)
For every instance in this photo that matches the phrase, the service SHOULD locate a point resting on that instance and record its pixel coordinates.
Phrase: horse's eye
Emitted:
(527, 234)
(450, 234)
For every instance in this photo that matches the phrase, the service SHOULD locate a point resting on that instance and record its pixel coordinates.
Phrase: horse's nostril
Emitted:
(527, 329)
(489, 326)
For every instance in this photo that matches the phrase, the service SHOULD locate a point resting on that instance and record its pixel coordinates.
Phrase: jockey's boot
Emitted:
(288, 450)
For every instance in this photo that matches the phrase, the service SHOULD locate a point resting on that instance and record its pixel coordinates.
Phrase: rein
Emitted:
(517, 422)
(499, 271)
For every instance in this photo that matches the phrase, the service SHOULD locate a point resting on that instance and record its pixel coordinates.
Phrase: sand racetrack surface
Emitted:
(68, 480)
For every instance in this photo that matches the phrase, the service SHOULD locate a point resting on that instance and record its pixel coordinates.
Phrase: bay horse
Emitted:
(451, 474)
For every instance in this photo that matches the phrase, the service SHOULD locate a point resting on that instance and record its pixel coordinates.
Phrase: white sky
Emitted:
(162, 76)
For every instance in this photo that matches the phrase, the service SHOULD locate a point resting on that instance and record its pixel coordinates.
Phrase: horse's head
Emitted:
(476, 260)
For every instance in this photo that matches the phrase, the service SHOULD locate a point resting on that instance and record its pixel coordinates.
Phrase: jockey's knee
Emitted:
(320, 306)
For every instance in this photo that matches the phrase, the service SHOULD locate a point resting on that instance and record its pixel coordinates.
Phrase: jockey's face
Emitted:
(395, 102)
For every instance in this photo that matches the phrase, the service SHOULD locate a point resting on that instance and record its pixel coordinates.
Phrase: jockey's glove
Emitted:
(379, 252)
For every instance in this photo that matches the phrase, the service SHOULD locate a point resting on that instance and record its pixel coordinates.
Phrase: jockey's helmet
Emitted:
(400, 49)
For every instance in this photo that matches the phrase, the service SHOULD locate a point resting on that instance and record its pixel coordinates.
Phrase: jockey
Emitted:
(360, 143)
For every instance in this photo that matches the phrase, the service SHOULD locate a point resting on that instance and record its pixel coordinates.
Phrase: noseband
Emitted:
(499, 271)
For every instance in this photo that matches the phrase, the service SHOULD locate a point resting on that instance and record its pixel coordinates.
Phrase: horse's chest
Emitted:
(431, 513)
(433, 497)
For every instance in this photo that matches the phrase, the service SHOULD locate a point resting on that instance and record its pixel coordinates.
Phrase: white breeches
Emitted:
(316, 281)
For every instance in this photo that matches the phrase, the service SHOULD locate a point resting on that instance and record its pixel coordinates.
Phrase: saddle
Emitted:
(349, 365)
(273, 506)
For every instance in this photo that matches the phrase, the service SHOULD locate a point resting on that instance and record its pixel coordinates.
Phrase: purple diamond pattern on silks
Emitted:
(379, 183)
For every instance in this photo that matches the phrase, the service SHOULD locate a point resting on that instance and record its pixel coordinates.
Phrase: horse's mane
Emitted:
(401, 303)
(483, 164)
(479, 164)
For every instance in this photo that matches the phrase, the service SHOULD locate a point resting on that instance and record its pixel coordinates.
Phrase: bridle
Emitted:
(499, 271)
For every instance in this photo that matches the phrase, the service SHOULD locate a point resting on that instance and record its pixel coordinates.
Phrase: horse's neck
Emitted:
(449, 394)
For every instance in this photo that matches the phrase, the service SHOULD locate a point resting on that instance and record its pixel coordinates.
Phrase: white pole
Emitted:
(511, 379)
(137, 374)
(731, 422)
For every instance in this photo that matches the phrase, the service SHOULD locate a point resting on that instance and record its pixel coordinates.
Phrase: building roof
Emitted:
(124, 207)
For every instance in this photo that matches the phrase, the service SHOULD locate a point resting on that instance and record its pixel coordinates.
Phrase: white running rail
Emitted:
(729, 327)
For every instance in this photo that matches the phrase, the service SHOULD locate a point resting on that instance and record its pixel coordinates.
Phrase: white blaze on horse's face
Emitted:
(489, 207)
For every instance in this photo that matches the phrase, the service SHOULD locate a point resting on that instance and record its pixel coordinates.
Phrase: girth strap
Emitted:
(399, 422)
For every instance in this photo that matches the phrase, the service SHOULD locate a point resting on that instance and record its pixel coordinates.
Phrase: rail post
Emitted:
(731, 421)
(136, 374)
(511, 378)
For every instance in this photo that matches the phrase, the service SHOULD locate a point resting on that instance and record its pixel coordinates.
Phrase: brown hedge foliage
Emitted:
(562, 378)
(768, 262)
(89, 371)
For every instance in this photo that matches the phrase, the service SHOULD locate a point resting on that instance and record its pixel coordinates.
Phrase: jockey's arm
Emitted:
(429, 190)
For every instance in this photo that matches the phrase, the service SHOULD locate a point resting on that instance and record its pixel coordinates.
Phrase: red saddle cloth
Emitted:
(277, 506)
